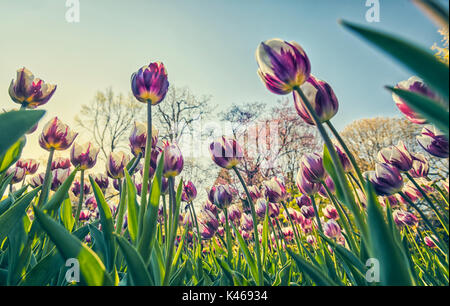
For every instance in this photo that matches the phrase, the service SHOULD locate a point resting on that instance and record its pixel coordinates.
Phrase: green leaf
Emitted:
(313, 272)
(14, 124)
(92, 269)
(4, 184)
(12, 154)
(420, 61)
(66, 214)
(15, 213)
(61, 194)
(394, 268)
(132, 208)
(435, 11)
(428, 108)
(135, 264)
(248, 257)
(106, 222)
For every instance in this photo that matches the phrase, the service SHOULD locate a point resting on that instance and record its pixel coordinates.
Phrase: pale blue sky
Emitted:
(206, 45)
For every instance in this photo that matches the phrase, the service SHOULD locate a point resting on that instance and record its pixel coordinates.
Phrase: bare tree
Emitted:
(179, 110)
(109, 119)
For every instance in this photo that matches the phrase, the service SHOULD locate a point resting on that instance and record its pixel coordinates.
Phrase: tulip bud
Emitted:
(101, 180)
(330, 185)
(282, 66)
(434, 142)
(226, 152)
(234, 214)
(149, 84)
(138, 138)
(84, 156)
(416, 85)
(274, 190)
(322, 99)
(254, 192)
(85, 215)
(397, 156)
(29, 165)
(173, 160)
(311, 167)
(189, 192)
(303, 200)
(386, 179)
(305, 186)
(56, 135)
(311, 240)
(260, 207)
(222, 196)
(308, 212)
(430, 241)
(116, 164)
(247, 222)
(420, 166)
(60, 163)
(404, 218)
(345, 161)
(29, 91)
(18, 174)
(330, 212)
(288, 233)
(331, 229)
(274, 210)
(77, 188)
(58, 177)
(164, 186)
(91, 203)
(211, 207)
(37, 180)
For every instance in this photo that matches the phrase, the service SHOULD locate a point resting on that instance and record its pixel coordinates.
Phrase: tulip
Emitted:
(150, 84)
(345, 161)
(282, 66)
(295, 215)
(322, 99)
(29, 165)
(91, 203)
(254, 192)
(386, 179)
(116, 164)
(84, 156)
(303, 200)
(288, 233)
(222, 196)
(308, 212)
(37, 180)
(234, 214)
(311, 240)
(245, 235)
(411, 192)
(173, 160)
(307, 225)
(434, 142)
(330, 212)
(331, 229)
(274, 210)
(58, 177)
(208, 223)
(85, 215)
(274, 190)
(416, 85)
(330, 185)
(77, 188)
(116, 185)
(397, 156)
(164, 186)
(29, 91)
(226, 152)
(404, 218)
(18, 174)
(60, 163)
(138, 138)
(311, 167)
(154, 157)
(430, 241)
(305, 186)
(420, 166)
(260, 207)
(211, 207)
(247, 222)
(56, 135)
(101, 180)
(189, 192)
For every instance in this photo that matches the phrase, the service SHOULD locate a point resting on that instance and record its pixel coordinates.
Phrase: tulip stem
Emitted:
(173, 231)
(294, 229)
(228, 235)
(80, 200)
(433, 207)
(136, 162)
(194, 221)
(260, 280)
(316, 212)
(145, 179)
(46, 183)
(346, 150)
(342, 180)
(120, 212)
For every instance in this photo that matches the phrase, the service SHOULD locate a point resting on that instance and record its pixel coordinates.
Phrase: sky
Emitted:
(207, 45)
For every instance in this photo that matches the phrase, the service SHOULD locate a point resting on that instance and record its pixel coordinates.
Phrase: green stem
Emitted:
(46, 183)
(316, 212)
(260, 280)
(145, 179)
(173, 232)
(297, 238)
(136, 162)
(122, 206)
(228, 236)
(194, 221)
(342, 180)
(80, 200)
